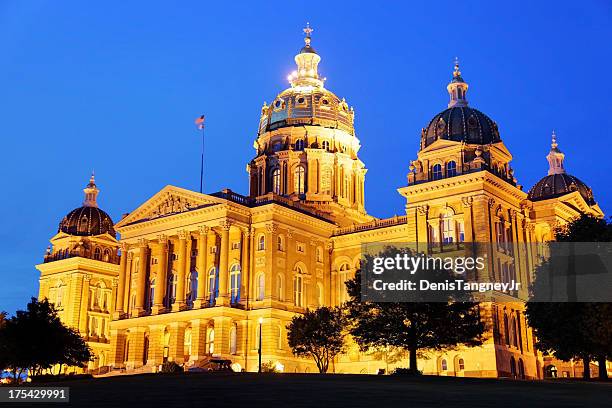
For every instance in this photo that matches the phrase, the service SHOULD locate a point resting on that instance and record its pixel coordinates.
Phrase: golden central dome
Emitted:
(307, 102)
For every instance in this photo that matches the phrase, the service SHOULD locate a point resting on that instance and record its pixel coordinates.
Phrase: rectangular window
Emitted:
(300, 247)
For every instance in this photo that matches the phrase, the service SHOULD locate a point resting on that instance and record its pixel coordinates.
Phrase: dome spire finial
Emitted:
(457, 89)
(308, 30)
(91, 192)
(555, 157)
(307, 62)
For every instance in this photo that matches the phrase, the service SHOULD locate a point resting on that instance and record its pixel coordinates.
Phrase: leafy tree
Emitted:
(414, 325)
(35, 339)
(318, 334)
(573, 330)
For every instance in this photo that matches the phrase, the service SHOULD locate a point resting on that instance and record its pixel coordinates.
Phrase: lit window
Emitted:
(461, 231)
(444, 365)
(325, 145)
(280, 245)
(235, 283)
(276, 182)
(261, 286)
(172, 284)
(261, 244)
(448, 228)
(298, 286)
(298, 179)
(233, 338)
(451, 169)
(461, 364)
(211, 341)
(436, 172)
(213, 285)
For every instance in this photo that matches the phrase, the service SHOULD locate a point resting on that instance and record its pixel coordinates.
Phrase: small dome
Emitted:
(87, 221)
(460, 124)
(557, 185)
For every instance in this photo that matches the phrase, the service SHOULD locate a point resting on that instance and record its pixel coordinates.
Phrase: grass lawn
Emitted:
(310, 390)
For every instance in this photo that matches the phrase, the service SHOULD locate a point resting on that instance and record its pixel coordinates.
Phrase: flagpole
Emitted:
(202, 162)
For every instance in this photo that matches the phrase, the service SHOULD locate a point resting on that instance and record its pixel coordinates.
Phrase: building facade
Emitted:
(196, 276)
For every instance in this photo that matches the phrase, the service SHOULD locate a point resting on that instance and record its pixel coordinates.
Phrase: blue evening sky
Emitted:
(115, 86)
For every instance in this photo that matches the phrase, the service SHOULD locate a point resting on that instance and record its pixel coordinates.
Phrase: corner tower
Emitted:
(79, 273)
(306, 146)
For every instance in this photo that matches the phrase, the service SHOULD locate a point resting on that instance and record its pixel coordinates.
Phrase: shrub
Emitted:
(407, 372)
(171, 367)
(268, 367)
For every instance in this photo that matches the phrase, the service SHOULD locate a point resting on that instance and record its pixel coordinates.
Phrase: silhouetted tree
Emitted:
(573, 330)
(35, 339)
(413, 325)
(318, 334)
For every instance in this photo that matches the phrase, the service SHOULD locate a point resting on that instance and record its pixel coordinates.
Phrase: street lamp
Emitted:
(259, 348)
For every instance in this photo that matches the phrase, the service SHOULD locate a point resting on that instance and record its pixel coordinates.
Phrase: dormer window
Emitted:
(299, 144)
(436, 172)
(451, 169)
(325, 145)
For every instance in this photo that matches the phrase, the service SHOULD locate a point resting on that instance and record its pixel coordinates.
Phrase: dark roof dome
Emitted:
(88, 220)
(461, 124)
(557, 185)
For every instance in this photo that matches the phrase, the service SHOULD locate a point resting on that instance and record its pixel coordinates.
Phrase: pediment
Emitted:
(168, 201)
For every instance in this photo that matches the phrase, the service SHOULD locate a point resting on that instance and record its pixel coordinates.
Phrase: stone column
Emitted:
(155, 355)
(128, 282)
(162, 276)
(179, 303)
(122, 279)
(136, 337)
(222, 333)
(84, 306)
(201, 267)
(245, 267)
(117, 344)
(177, 342)
(142, 278)
(198, 339)
(223, 300)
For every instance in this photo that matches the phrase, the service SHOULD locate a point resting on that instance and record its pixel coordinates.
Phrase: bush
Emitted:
(171, 367)
(268, 367)
(408, 372)
(61, 377)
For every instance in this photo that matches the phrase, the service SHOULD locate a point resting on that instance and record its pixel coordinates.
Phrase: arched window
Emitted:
(436, 172)
(319, 294)
(233, 338)
(59, 296)
(298, 179)
(187, 343)
(506, 330)
(280, 287)
(280, 245)
(521, 369)
(344, 276)
(172, 284)
(460, 231)
(299, 144)
(298, 288)
(443, 365)
(166, 339)
(261, 243)
(448, 227)
(235, 283)
(513, 331)
(106, 255)
(325, 145)
(276, 181)
(213, 285)
(211, 341)
(261, 286)
(97, 254)
(145, 354)
(512, 367)
(345, 189)
(326, 181)
(193, 287)
(319, 254)
(279, 337)
(451, 169)
(461, 364)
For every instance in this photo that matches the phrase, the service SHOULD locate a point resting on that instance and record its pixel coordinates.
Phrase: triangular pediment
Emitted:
(168, 201)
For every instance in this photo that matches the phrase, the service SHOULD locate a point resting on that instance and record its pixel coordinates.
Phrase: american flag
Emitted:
(200, 122)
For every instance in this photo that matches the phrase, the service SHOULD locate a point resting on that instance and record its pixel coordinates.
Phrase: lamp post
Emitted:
(259, 348)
